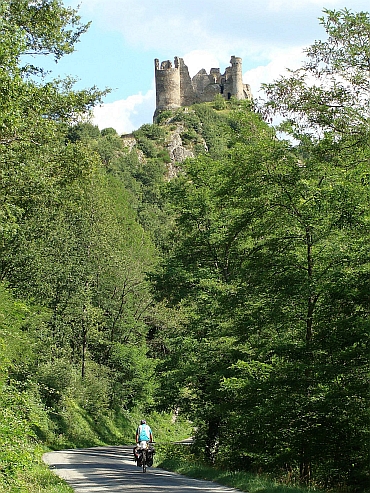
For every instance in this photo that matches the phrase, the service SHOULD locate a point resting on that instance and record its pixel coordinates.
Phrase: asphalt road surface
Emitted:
(112, 469)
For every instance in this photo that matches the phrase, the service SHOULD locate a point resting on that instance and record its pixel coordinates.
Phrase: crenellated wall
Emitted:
(175, 87)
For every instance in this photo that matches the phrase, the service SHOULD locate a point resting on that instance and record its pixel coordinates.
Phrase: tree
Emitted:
(328, 98)
(327, 108)
(31, 111)
(217, 203)
(268, 249)
(47, 26)
(70, 239)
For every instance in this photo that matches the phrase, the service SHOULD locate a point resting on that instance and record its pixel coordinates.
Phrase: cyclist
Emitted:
(143, 434)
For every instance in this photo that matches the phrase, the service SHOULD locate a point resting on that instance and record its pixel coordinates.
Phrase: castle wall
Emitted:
(175, 88)
(200, 81)
(247, 91)
(215, 75)
(187, 93)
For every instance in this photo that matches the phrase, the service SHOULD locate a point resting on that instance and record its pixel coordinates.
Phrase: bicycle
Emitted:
(146, 455)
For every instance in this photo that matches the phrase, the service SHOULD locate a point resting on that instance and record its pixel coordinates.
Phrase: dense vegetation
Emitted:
(233, 290)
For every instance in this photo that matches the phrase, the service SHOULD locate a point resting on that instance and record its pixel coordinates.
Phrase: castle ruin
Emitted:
(175, 87)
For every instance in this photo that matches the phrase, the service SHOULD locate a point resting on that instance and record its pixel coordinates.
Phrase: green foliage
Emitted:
(39, 479)
(108, 131)
(152, 132)
(258, 332)
(189, 118)
(16, 433)
(219, 102)
(147, 146)
(111, 152)
(72, 252)
(330, 93)
(179, 458)
(83, 131)
(267, 250)
(54, 378)
(203, 124)
(47, 27)
(169, 427)
(327, 106)
(12, 316)
(134, 381)
(189, 135)
(22, 419)
(164, 116)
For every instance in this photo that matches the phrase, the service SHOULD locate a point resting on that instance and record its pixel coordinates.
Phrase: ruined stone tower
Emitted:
(175, 87)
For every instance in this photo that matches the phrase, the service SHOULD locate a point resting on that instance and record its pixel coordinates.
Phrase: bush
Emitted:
(189, 118)
(94, 390)
(219, 102)
(108, 131)
(147, 146)
(164, 116)
(152, 132)
(83, 132)
(54, 378)
(15, 433)
(164, 156)
(189, 135)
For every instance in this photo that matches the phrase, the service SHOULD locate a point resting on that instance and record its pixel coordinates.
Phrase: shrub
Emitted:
(164, 116)
(54, 378)
(219, 102)
(108, 131)
(152, 132)
(94, 390)
(147, 146)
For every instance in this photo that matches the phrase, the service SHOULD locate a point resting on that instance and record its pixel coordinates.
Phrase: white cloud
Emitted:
(277, 61)
(241, 26)
(190, 25)
(281, 60)
(198, 59)
(123, 115)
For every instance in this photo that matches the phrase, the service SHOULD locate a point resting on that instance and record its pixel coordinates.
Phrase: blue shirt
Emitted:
(144, 432)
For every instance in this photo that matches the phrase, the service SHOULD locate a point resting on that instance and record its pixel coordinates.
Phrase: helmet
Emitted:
(143, 422)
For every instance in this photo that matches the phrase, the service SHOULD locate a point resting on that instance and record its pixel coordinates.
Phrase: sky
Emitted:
(125, 37)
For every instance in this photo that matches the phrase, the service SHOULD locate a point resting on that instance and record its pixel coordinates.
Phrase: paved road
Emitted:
(112, 469)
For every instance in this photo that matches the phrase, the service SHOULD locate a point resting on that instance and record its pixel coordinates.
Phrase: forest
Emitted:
(230, 289)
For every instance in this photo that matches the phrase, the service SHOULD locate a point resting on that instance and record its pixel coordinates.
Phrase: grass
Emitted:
(244, 481)
(81, 430)
(38, 478)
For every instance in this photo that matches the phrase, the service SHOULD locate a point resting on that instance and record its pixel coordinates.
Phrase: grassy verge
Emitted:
(36, 478)
(22, 469)
(189, 466)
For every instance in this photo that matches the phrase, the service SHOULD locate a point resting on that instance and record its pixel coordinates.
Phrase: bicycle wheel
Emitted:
(144, 460)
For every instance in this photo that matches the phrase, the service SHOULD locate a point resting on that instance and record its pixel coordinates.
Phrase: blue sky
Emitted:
(125, 36)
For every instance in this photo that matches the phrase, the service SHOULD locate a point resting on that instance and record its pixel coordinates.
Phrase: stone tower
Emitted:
(237, 77)
(175, 87)
(167, 82)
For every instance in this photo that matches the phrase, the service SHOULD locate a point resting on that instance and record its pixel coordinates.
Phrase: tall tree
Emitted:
(70, 239)
(327, 108)
(270, 252)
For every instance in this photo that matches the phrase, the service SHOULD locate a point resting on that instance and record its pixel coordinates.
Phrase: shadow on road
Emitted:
(112, 469)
